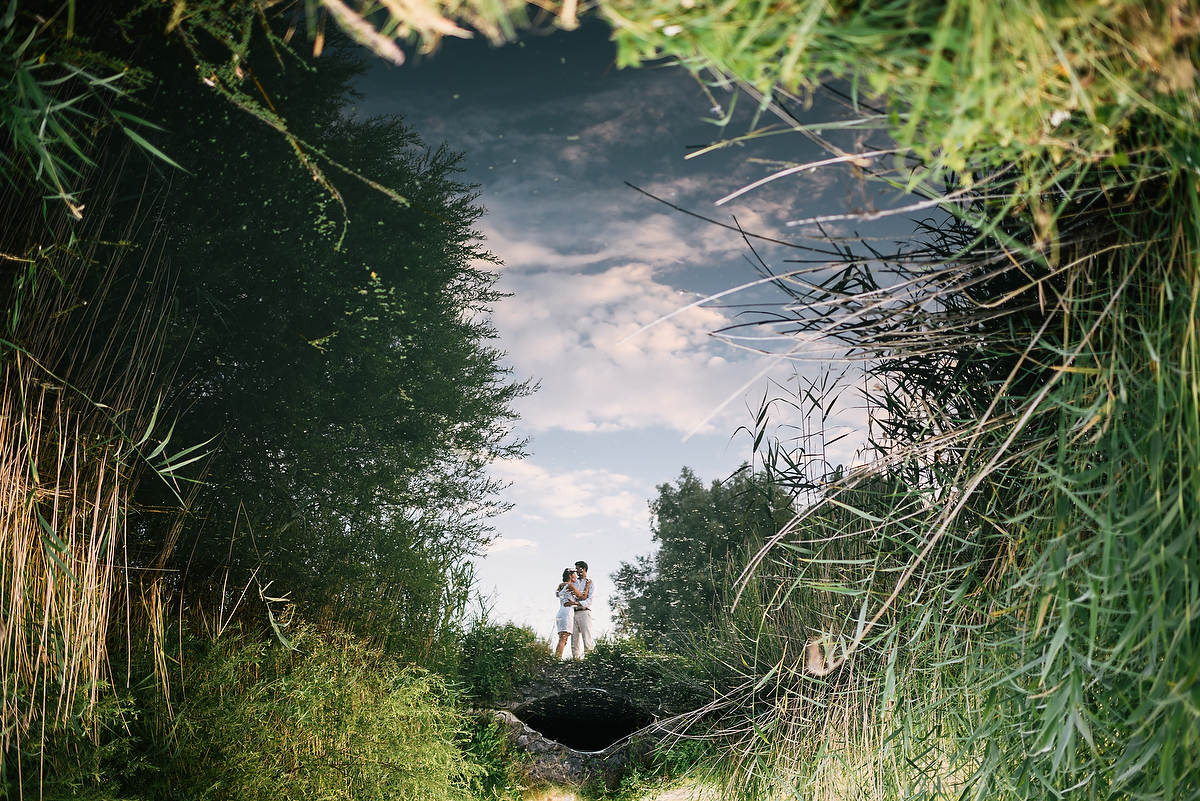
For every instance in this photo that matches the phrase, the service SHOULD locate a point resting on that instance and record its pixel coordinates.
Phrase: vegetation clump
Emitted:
(223, 412)
(495, 661)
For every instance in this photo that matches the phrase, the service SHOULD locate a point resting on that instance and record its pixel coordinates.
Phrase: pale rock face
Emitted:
(554, 762)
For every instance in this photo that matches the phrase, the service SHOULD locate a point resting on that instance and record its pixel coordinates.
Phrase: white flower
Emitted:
(671, 30)
(1059, 117)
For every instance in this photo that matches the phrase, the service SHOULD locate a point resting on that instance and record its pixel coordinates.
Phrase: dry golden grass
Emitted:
(78, 394)
(62, 509)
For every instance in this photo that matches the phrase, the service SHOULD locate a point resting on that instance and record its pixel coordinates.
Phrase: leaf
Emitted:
(150, 425)
(61, 564)
(171, 463)
(50, 536)
(135, 119)
(279, 632)
(162, 445)
(889, 679)
(262, 594)
(1060, 637)
(862, 618)
(142, 143)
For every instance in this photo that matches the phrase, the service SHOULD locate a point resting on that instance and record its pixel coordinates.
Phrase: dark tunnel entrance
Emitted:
(587, 719)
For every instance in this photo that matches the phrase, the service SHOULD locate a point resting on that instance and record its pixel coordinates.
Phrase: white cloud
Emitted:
(573, 495)
(584, 276)
(567, 329)
(503, 544)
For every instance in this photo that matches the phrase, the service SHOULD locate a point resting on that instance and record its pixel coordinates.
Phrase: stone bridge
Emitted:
(573, 733)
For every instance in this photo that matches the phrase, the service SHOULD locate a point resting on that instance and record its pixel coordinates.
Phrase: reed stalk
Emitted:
(80, 377)
(999, 601)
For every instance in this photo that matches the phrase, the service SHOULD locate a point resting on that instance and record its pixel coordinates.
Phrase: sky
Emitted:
(553, 135)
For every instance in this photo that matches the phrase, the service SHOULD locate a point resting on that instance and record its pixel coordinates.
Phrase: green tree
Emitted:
(347, 379)
(702, 533)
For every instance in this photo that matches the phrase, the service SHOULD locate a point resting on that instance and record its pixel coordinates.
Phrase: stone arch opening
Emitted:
(585, 719)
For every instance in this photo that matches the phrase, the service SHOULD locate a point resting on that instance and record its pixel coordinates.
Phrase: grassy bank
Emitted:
(999, 603)
(202, 440)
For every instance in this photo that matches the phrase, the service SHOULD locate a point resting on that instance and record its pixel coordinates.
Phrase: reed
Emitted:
(80, 373)
(999, 601)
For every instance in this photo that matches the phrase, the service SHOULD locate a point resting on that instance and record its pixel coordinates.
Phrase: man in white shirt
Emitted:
(581, 636)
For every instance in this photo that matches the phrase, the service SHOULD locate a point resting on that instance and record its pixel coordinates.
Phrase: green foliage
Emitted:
(500, 776)
(495, 660)
(669, 765)
(88, 755)
(703, 533)
(661, 682)
(334, 720)
(352, 387)
(977, 89)
(249, 719)
(56, 95)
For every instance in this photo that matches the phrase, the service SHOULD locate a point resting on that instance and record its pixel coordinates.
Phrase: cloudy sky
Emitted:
(552, 133)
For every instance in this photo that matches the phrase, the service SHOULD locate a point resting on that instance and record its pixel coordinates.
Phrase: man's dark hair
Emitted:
(581, 564)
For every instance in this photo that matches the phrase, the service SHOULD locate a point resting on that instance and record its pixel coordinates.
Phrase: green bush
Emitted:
(332, 720)
(250, 719)
(89, 755)
(500, 776)
(495, 660)
(661, 683)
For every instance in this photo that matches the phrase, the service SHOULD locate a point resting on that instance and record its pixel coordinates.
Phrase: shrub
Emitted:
(500, 776)
(495, 660)
(332, 720)
(250, 719)
(661, 683)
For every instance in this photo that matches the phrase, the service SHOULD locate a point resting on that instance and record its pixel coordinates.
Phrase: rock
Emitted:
(552, 761)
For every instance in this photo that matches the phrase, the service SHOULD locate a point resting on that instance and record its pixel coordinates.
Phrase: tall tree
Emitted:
(345, 375)
(702, 533)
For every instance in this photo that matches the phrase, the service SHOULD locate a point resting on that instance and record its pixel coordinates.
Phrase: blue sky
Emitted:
(552, 132)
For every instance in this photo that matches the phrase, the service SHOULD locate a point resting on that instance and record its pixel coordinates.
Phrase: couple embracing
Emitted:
(574, 618)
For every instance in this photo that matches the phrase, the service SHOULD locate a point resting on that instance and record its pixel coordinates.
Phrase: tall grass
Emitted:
(79, 376)
(1000, 602)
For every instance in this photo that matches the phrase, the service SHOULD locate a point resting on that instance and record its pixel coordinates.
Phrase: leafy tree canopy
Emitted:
(702, 534)
(346, 381)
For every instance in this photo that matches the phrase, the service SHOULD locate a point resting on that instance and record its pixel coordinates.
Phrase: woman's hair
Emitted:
(567, 574)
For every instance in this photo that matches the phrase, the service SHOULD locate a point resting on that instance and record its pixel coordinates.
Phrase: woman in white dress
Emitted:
(565, 619)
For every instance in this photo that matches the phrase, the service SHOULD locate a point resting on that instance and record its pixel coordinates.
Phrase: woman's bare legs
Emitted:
(563, 636)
